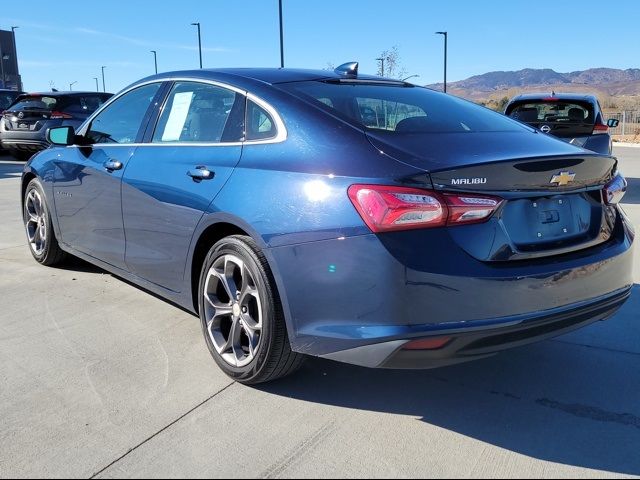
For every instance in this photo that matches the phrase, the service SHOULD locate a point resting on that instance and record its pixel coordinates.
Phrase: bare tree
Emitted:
(392, 65)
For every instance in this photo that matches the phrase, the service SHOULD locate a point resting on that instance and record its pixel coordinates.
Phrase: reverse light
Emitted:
(388, 208)
(615, 190)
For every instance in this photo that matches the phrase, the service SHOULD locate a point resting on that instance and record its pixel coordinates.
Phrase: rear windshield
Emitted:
(69, 104)
(552, 112)
(400, 109)
(6, 99)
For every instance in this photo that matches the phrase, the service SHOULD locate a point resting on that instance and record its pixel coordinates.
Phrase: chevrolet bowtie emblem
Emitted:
(563, 178)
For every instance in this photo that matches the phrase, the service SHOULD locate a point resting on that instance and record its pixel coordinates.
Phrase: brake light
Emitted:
(60, 115)
(600, 128)
(390, 208)
(615, 190)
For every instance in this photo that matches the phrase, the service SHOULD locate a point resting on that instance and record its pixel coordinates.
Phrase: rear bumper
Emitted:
(32, 146)
(361, 299)
(471, 345)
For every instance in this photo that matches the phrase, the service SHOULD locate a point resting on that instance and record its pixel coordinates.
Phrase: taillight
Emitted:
(60, 115)
(389, 208)
(427, 343)
(615, 190)
(600, 128)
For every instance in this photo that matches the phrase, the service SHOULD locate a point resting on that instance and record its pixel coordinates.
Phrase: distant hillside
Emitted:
(605, 82)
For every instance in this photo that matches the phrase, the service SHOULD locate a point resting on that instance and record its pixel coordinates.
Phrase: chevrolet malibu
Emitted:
(350, 217)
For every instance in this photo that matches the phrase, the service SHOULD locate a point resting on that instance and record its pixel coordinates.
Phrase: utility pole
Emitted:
(97, 86)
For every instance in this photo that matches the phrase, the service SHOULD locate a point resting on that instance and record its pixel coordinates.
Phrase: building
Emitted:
(9, 70)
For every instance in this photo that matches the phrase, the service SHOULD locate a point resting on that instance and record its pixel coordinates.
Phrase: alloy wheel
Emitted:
(233, 310)
(36, 221)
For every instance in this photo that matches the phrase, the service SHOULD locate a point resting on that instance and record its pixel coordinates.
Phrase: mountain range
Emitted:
(608, 81)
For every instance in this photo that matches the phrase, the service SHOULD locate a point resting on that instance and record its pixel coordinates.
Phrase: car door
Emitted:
(174, 177)
(87, 180)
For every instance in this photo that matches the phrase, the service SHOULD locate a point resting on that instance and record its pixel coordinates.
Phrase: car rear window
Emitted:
(36, 103)
(84, 104)
(553, 111)
(399, 108)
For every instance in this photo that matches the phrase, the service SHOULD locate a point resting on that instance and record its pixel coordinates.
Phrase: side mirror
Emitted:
(613, 123)
(61, 136)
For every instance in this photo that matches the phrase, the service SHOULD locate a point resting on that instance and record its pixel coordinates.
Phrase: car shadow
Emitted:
(633, 191)
(11, 169)
(555, 401)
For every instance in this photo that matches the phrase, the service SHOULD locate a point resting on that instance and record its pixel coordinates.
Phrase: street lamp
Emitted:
(104, 88)
(381, 60)
(155, 59)
(197, 24)
(97, 86)
(412, 76)
(446, 36)
(281, 37)
(71, 85)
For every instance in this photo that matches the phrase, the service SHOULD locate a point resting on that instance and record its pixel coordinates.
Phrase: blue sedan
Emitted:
(346, 216)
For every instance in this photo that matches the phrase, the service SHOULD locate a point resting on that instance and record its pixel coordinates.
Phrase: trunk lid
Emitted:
(551, 191)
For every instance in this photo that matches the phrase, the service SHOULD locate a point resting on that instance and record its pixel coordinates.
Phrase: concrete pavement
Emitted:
(99, 378)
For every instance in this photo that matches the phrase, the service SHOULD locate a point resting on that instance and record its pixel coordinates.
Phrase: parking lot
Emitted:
(99, 378)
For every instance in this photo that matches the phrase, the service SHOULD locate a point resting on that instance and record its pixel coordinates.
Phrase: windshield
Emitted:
(552, 112)
(400, 109)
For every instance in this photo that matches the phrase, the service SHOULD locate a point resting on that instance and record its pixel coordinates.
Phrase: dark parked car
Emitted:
(7, 97)
(573, 117)
(350, 217)
(24, 123)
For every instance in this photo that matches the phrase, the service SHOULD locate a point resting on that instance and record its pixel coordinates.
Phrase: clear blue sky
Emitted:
(69, 41)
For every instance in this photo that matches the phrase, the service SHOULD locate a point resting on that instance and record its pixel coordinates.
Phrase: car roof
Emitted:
(270, 76)
(559, 96)
(62, 94)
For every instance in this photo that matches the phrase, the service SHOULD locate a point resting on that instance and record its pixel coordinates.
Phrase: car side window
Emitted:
(260, 124)
(199, 112)
(120, 122)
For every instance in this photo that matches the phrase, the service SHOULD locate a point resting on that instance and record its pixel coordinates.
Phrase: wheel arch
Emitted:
(214, 228)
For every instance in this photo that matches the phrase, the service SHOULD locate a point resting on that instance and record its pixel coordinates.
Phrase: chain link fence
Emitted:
(629, 122)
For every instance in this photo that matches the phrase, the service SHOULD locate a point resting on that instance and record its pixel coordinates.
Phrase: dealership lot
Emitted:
(100, 378)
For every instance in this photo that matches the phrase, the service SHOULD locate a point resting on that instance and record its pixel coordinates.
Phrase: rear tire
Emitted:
(39, 228)
(241, 315)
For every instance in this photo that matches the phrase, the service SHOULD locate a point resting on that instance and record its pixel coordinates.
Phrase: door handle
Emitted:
(112, 165)
(201, 173)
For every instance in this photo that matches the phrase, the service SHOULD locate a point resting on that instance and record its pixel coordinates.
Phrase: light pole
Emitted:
(104, 88)
(15, 57)
(197, 24)
(155, 59)
(412, 76)
(381, 60)
(446, 37)
(281, 37)
(71, 85)
(97, 86)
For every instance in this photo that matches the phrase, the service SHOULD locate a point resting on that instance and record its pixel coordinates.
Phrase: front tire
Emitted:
(241, 314)
(39, 228)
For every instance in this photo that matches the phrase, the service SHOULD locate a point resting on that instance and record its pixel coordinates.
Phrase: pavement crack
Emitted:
(151, 437)
(592, 413)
